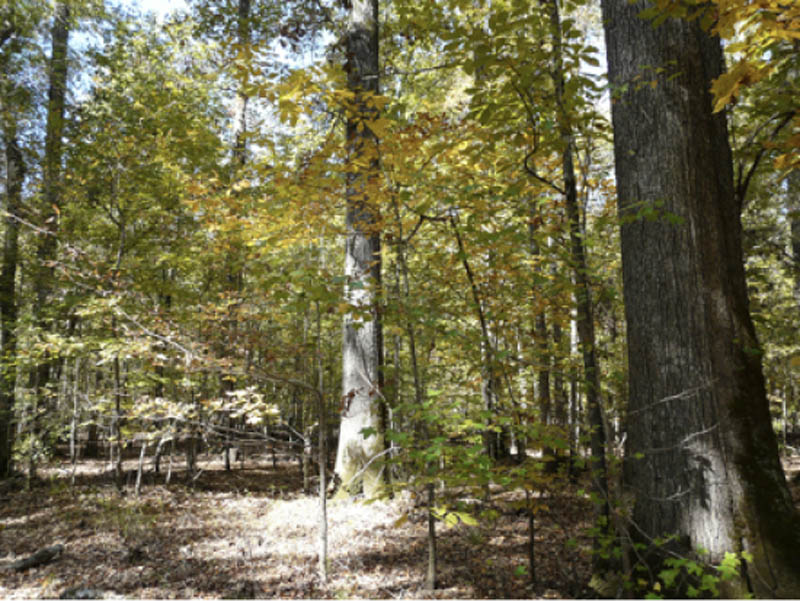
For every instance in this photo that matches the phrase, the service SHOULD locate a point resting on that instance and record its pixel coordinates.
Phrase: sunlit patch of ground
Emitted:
(251, 533)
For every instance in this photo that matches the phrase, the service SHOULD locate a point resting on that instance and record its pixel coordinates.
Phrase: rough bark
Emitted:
(362, 344)
(702, 459)
(15, 173)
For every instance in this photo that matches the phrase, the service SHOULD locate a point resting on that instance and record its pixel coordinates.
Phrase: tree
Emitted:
(583, 294)
(11, 96)
(793, 185)
(15, 174)
(46, 245)
(701, 456)
(363, 340)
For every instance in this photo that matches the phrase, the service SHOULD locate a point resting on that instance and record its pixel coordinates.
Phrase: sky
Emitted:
(160, 7)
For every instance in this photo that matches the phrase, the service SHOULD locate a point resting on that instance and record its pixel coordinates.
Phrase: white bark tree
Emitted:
(362, 345)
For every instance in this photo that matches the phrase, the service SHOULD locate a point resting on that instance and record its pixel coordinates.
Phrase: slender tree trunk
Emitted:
(240, 109)
(540, 330)
(362, 346)
(702, 458)
(46, 244)
(531, 536)
(15, 174)
(322, 526)
(583, 297)
(140, 468)
(234, 258)
(117, 422)
(493, 439)
(74, 449)
(793, 182)
(430, 576)
(561, 401)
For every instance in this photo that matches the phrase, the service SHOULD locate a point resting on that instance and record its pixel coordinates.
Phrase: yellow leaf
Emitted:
(727, 85)
(380, 127)
(400, 521)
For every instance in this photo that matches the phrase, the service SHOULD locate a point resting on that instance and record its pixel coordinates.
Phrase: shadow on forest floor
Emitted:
(251, 533)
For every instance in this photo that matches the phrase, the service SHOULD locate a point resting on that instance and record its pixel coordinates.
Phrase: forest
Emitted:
(400, 299)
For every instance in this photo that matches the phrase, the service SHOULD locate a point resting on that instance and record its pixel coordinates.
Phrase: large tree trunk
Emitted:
(702, 458)
(15, 173)
(362, 345)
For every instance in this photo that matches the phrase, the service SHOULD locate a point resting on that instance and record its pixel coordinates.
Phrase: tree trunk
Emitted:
(322, 517)
(116, 429)
(430, 575)
(583, 297)
(15, 174)
(46, 242)
(559, 388)
(362, 346)
(540, 329)
(240, 109)
(492, 437)
(793, 182)
(702, 458)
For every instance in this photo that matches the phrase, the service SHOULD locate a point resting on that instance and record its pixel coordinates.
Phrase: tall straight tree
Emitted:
(10, 93)
(701, 458)
(15, 173)
(53, 152)
(233, 260)
(362, 355)
(793, 184)
(583, 293)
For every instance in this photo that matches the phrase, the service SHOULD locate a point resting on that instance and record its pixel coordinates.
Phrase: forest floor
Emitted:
(251, 533)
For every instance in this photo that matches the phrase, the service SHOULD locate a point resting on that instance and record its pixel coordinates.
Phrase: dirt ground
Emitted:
(251, 533)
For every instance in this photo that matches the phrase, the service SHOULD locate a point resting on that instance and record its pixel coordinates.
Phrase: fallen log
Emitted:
(41, 557)
(82, 593)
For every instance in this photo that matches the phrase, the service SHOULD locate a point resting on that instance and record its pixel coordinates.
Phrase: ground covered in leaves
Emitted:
(251, 533)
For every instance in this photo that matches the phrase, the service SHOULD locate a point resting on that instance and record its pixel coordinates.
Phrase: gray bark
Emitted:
(701, 457)
(362, 344)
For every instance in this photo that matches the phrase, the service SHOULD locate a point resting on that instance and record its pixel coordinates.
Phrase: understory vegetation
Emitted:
(361, 298)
